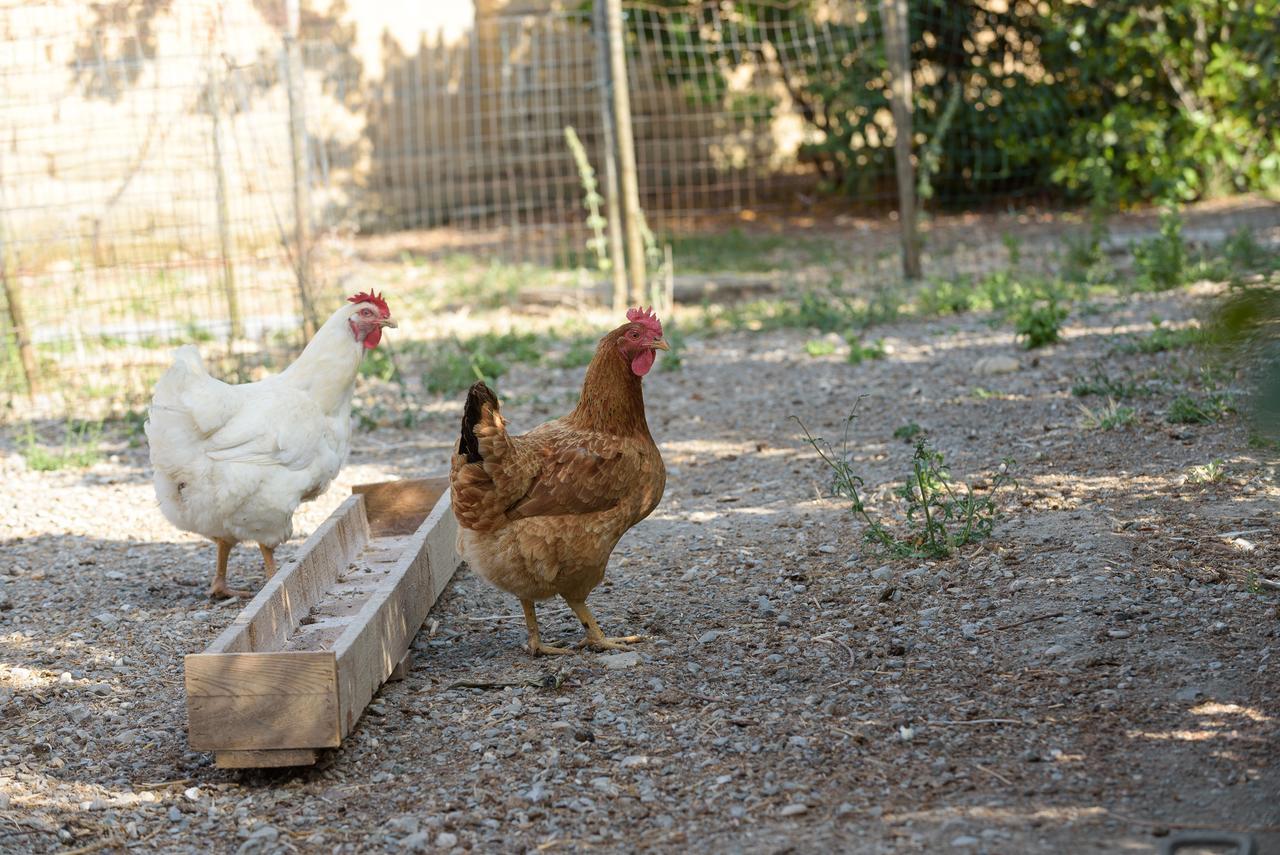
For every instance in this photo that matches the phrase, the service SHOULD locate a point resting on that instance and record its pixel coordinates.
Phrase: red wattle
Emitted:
(643, 362)
(372, 339)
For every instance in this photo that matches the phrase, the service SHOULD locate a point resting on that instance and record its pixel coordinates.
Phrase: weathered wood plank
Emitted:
(257, 704)
(268, 758)
(262, 700)
(286, 598)
(372, 645)
(399, 507)
(402, 668)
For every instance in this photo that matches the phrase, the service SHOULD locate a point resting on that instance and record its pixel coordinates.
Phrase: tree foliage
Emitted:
(1152, 99)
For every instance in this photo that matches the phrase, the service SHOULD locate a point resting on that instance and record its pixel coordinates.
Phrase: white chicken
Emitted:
(233, 463)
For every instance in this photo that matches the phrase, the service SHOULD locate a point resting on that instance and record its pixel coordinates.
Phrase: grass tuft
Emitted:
(80, 448)
(1108, 417)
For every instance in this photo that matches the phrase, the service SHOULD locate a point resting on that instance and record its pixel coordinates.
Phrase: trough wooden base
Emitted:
(266, 758)
(295, 670)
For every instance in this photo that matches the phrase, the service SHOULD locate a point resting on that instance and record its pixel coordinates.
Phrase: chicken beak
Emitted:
(387, 322)
(660, 344)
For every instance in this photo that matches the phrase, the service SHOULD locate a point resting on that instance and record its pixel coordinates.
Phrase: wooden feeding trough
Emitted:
(296, 668)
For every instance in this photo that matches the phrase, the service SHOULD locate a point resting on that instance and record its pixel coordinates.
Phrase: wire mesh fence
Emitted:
(152, 166)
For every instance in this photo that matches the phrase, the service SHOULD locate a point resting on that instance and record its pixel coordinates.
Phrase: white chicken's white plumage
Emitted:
(233, 462)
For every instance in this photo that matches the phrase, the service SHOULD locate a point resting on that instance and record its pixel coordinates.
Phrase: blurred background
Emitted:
(225, 173)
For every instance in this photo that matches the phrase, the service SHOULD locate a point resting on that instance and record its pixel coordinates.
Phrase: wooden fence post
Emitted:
(26, 353)
(897, 43)
(295, 80)
(626, 151)
(236, 330)
(613, 204)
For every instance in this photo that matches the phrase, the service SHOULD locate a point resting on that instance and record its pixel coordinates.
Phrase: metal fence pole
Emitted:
(613, 204)
(236, 330)
(295, 78)
(897, 39)
(626, 151)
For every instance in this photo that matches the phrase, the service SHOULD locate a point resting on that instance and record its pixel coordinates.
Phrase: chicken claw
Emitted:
(603, 642)
(536, 646)
(219, 590)
(596, 639)
(222, 592)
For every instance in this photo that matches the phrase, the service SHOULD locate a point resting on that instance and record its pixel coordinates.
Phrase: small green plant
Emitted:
(379, 363)
(939, 517)
(673, 359)
(860, 352)
(578, 354)
(1100, 383)
(1039, 324)
(598, 244)
(1013, 245)
(1243, 252)
(79, 448)
(1108, 417)
(368, 418)
(1085, 260)
(1189, 410)
(133, 423)
(1210, 473)
(819, 347)
(1161, 261)
(907, 432)
(1162, 338)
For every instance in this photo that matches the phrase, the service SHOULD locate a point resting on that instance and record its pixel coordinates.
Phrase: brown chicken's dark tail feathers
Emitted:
(477, 397)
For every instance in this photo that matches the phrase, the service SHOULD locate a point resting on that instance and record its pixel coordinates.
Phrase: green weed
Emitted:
(673, 360)
(907, 432)
(1243, 252)
(819, 347)
(1191, 410)
(80, 448)
(860, 352)
(1161, 261)
(1162, 338)
(939, 516)
(598, 244)
(380, 364)
(1102, 384)
(1210, 473)
(1039, 324)
(579, 353)
(1108, 417)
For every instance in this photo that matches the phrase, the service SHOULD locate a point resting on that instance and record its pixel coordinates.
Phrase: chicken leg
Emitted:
(268, 559)
(596, 639)
(535, 639)
(219, 589)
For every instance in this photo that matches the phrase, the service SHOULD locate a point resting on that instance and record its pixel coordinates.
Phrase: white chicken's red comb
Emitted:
(374, 298)
(647, 319)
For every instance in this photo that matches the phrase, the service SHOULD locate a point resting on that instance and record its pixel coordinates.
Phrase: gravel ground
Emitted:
(1097, 675)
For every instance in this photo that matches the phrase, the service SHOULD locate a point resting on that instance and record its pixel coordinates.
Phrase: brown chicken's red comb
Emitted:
(376, 299)
(647, 319)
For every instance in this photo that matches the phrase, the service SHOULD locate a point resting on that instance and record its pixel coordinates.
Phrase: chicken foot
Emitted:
(535, 638)
(268, 559)
(596, 639)
(219, 588)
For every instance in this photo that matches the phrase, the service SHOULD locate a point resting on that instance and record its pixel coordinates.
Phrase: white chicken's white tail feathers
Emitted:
(186, 365)
(187, 406)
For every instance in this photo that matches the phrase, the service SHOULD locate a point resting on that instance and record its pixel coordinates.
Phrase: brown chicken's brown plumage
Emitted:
(539, 514)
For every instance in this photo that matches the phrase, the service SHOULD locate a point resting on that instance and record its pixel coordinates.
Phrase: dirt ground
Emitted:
(1096, 676)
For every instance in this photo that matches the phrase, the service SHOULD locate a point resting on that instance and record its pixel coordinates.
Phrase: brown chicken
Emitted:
(539, 514)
